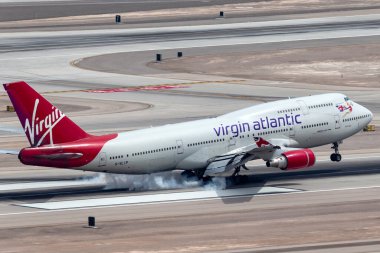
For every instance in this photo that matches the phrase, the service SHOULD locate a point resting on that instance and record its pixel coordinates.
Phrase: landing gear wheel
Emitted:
(188, 174)
(335, 157)
(200, 173)
(236, 180)
(206, 179)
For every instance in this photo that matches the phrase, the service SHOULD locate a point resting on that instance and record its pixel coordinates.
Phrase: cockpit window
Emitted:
(346, 99)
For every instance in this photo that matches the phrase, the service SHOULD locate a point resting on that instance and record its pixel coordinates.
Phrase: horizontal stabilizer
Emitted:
(9, 151)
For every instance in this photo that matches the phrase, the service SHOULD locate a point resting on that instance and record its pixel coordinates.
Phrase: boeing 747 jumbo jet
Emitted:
(280, 133)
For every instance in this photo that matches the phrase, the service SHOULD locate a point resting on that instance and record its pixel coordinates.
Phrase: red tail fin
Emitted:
(43, 123)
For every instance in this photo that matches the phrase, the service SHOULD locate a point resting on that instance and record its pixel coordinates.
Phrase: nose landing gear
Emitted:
(335, 157)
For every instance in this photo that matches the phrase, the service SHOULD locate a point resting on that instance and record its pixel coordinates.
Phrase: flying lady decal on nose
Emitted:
(345, 106)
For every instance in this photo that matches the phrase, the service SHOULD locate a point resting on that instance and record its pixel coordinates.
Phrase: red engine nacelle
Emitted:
(293, 160)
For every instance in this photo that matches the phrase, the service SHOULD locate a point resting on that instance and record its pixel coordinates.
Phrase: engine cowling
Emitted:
(293, 160)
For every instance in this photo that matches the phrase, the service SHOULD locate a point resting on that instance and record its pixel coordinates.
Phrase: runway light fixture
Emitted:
(117, 19)
(158, 57)
(91, 222)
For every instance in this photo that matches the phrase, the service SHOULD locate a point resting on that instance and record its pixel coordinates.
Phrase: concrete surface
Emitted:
(334, 206)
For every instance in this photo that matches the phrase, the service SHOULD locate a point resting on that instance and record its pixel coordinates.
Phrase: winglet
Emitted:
(260, 142)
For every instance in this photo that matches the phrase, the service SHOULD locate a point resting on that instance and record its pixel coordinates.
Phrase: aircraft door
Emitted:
(102, 159)
(231, 140)
(337, 121)
(292, 132)
(304, 108)
(179, 147)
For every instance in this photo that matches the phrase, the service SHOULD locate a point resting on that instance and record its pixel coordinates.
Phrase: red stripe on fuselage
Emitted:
(61, 155)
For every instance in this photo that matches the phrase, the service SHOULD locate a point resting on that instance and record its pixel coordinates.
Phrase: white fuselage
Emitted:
(300, 123)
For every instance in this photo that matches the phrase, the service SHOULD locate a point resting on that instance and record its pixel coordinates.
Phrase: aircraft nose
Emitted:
(368, 112)
(371, 117)
(364, 111)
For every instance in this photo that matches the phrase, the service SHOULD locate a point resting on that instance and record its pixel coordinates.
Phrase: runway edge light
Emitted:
(91, 222)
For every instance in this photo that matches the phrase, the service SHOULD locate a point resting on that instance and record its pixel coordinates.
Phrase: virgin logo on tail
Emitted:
(42, 127)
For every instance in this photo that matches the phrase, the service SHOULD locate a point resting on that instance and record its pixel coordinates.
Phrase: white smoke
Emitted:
(216, 183)
(156, 181)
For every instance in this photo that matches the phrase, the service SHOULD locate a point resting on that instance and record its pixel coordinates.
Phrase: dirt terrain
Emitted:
(59, 14)
(353, 65)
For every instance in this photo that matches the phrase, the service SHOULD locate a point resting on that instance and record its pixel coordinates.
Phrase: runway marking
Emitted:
(4, 188)
(156, 198)
(180, 201)
(164, 86)
(139, 88)
(147, 87)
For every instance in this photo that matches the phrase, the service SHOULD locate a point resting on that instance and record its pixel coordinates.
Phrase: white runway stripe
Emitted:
(45, 185)
(154, 198)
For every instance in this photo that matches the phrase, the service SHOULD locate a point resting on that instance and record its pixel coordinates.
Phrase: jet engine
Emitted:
(293, 160)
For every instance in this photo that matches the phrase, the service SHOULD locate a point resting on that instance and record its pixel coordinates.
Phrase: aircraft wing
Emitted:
(238, 157)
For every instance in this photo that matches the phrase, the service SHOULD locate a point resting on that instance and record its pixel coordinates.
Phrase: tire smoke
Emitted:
(157, 181)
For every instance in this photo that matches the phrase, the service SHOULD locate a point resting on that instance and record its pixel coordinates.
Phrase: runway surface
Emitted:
(332, 206)
(361, 25)
(324, 200)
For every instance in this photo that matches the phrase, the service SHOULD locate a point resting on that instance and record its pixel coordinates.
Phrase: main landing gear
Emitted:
(237, 170)
(196, 175)
(335, 157)
(188, 174)
(236, 178)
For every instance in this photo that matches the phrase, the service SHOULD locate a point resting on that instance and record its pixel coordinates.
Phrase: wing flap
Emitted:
(226, 163)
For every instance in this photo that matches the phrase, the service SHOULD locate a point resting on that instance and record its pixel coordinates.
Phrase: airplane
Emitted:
(281, 133)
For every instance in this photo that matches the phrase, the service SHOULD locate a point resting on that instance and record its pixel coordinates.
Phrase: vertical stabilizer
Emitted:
(43, 123)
